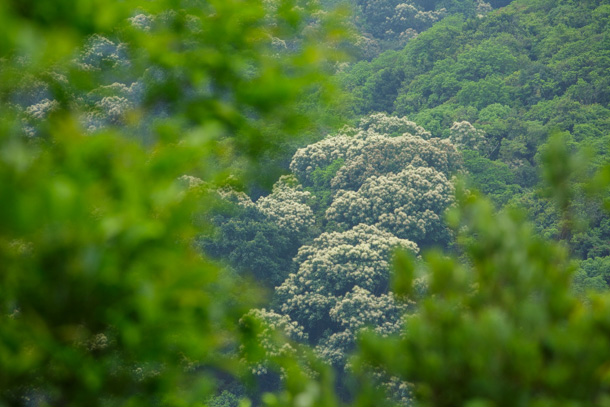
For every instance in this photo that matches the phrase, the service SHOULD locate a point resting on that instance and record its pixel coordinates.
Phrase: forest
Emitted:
(265, 203)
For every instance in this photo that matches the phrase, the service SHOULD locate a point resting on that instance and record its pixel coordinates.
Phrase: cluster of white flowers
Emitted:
(408, 204)
(275, 329)
(318, 155)
(41, 110)
(389, 183)
(110, 110)
(333, 266)
(34, 101)
(357, 310)
(381, 123)
(360, 308)
(369, 151)
(114, 108)
(134, 92)
(407, 13)
(102, 53)
(142, 21)
(274, 322)
(483, 8)
(466, 137)
(237, 197)
(400, 391)
(111, 103)
(288, 206)
(335, 348)
(191, 182)
(373, 154)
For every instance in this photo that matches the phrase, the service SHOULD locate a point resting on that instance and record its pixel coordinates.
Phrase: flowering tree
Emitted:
(409, 204)
(341, 286)
(288, 206)
(387, 172)
(466, 137)
(371, 150)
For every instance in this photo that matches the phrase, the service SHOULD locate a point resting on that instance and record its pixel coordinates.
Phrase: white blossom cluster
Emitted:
(483, 8)
(381, 123)
(41, 110)
(110, 110)
(389, 185)
(134, 92)
(333, 266)
(466, 137)
(406, 16)
(399, 390)
(275, 329)
(367, 152)
(114, 107)
(334, 348)
(360, 308)
(274, 322)
(190, 181)
(142, 22)
(237, 197)
(373, 154)
(102, 53)
(288, 206)
(409, 204)
(36, 113)
(111, 103)
(318, 155)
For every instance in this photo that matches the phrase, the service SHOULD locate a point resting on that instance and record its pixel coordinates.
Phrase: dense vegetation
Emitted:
(516, 75)
(143, 262)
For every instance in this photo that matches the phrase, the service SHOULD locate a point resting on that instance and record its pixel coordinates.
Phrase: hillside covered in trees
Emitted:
(305, 203)
(516, 75)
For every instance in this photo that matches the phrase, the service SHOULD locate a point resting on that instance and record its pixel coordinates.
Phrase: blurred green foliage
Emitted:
(104, 299)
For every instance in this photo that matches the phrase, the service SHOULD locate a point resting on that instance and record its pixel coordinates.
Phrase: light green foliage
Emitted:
(543, 61)
(593, 274)
(96, 267)
(518, 74)
(493, 178)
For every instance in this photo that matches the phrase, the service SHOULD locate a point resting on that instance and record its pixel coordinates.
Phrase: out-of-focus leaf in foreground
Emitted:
(103, 299)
